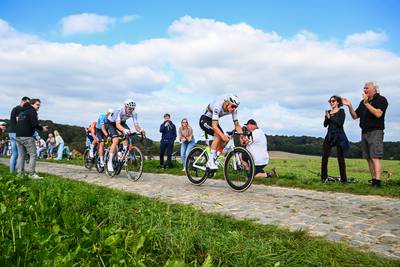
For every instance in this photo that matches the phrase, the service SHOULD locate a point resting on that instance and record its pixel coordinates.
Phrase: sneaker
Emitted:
(376, 183)
(211, 165)
(35, 176)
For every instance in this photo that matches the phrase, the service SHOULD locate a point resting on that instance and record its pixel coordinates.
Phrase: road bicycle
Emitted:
(132, 159)
(237, 164)
(89, 162)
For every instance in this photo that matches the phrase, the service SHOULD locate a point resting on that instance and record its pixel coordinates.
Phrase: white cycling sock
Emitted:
(110, 159)
(211, 155)
(101, 159)
(91, 146)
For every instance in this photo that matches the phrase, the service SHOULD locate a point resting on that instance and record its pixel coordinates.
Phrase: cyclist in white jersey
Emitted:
(117, 125)
(209, 122)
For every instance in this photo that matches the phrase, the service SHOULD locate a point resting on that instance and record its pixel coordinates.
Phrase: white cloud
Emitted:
(283, 83)
(129, 18)
(85, 23)
(367, 39)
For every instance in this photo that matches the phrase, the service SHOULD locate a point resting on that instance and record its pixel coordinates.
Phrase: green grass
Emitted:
(301, 173)
(56, 221)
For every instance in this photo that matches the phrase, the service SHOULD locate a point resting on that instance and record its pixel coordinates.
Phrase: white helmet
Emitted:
(233, 99)
(129, 103)
(110, 111)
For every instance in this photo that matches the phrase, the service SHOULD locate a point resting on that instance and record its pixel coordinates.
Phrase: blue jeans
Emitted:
(185, 149)
(14, 151)
(60, 150)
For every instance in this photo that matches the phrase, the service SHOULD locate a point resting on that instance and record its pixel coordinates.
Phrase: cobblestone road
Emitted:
(367, 222)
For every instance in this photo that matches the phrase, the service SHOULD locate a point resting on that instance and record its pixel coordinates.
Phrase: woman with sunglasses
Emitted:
(186, 137)
(334, 120)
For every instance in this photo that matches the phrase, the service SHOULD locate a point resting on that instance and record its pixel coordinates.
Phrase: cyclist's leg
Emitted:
(113, 148)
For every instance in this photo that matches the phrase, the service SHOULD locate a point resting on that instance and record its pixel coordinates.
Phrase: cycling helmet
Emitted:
(129, 103)
(233, 99)
(109, 111)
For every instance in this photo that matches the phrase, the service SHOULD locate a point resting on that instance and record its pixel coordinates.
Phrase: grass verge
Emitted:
(56, 221)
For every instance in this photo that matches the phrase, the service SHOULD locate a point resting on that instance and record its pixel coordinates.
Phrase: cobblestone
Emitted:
(368, 222)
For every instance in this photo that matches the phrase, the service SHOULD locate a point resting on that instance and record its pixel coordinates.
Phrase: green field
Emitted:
(59, 222)
(303, 173)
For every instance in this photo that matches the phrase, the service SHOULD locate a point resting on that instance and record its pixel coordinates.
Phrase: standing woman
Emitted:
(334, 120)
(186, 137)
(59, 144)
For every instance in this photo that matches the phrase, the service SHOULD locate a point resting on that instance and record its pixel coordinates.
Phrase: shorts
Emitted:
(206, 125)
(372, 144)
(112, 129)
(100, 135)
(259, 169)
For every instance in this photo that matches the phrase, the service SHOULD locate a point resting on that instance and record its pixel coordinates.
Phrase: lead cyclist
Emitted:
(209, 122)
(117, 124)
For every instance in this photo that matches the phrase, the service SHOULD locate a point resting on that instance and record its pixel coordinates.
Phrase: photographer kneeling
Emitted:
(257, 146)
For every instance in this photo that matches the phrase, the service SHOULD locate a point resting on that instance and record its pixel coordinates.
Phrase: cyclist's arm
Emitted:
(119, 126)
(238, 128)
(104, 130)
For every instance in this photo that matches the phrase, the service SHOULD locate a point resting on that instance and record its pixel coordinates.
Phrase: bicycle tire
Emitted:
(134, 164)
(196, 175)
(238, 177)
(87, 161)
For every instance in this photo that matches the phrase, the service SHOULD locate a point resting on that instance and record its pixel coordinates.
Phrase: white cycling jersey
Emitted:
(119, 115)
(215, 111)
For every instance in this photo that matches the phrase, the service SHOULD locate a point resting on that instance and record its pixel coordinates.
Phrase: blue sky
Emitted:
(328, 19)
(283, 58)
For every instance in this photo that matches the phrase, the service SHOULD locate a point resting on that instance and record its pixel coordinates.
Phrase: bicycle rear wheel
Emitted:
(87, 161)
(239, 169)
(195, 167)
(134, 164)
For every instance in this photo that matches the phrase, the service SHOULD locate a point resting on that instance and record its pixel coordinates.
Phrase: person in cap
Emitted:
(257, 146)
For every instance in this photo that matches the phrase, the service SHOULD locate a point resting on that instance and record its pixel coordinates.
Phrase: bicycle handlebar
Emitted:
(234, 132)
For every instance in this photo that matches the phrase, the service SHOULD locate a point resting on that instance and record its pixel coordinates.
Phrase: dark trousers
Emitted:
(169, 146)
(340, 157)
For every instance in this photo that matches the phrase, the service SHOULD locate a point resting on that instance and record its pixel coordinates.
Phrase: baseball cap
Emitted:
(251, 121)
(3, 123)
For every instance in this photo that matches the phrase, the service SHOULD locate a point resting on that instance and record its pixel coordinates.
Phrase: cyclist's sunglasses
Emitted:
(234, 106)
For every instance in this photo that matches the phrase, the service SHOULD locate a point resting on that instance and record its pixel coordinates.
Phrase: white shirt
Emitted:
(119, 115)
(59, 140)
(258, 148)
(215, 111)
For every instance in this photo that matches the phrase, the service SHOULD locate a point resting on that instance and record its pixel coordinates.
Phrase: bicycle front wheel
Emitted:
(134, 164)
(195, 166)
(239, 169)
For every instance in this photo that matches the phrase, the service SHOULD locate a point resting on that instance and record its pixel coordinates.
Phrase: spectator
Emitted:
(168, 137)
(3, 126)
(334, 120)
(59, 145)
(27, 123)
(51, 143)
(40, 146)
(186, 137)
(371, 112)
(12, 132)
(257, 146)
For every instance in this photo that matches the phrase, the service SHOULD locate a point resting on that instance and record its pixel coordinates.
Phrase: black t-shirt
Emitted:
(368, 122)
(336, 120)
(13, 119)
